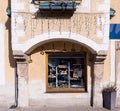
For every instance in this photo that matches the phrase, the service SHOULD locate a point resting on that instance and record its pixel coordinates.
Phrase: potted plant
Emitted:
(109, 96)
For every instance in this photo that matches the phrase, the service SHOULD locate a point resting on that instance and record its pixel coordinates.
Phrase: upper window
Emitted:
(66, 72)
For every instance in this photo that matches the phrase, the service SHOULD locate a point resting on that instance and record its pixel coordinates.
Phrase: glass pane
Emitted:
(62, 77)
(77, 75)
(66, 71)
(52, 64)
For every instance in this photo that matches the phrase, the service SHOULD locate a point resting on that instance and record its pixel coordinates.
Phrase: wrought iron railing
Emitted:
(58, 5)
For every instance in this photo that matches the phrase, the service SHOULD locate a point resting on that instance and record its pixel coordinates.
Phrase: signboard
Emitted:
(114, 31)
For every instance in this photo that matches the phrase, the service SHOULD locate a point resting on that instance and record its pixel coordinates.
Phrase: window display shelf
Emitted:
(66, 73)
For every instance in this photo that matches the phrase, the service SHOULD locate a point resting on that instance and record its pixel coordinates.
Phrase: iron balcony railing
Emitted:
(58, 5)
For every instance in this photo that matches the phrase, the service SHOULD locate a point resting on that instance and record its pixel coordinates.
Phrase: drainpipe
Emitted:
(16, 88)
(115, 63)
(16, 85)
(92, 81)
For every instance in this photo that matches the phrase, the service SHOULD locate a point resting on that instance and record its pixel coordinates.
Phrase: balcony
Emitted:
(57, 6)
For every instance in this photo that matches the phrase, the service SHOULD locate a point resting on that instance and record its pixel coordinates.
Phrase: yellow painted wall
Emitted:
(115, 4)
(38, 67)
(5, 20)
(3, 7)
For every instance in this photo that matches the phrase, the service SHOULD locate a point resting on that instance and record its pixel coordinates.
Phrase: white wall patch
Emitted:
(2, 53)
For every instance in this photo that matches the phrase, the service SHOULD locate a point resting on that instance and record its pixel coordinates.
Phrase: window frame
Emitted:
(67, 90)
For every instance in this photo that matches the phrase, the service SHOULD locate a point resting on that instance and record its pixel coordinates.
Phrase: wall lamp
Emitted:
(8, 11)
(112, 12)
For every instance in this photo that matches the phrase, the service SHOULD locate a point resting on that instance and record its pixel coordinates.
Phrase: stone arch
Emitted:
(28, 46)
(38, 40)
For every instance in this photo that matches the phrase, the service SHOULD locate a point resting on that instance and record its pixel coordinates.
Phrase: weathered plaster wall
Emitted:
(26, 27)
(106, 74)
(117, 64)
(100, 5)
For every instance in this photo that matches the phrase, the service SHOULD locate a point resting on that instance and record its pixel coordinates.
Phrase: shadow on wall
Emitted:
(8, 27)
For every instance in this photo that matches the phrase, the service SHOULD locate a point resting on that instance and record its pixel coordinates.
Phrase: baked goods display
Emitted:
(66, 73)
(62, 66)
(52, 76)
(63, 72)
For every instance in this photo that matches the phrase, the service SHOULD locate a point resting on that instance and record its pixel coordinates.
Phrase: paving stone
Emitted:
(45, 108)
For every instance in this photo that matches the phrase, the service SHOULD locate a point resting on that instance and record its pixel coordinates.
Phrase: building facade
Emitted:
(58, 52)
(116, 44)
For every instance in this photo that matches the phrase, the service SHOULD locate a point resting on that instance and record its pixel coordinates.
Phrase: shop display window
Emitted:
(66, 72)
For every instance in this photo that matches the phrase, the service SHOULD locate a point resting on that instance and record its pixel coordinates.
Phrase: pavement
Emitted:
(57, 108)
